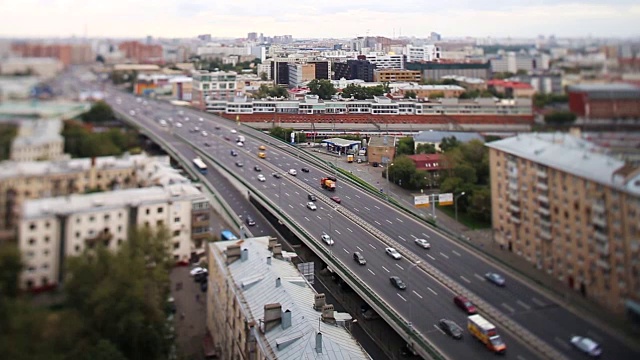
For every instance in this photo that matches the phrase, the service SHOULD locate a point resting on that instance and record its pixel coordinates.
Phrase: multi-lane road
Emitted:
(425, 300)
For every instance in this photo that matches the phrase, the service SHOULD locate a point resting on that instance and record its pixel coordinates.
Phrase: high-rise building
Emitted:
(422, 53)
(218, 85)
(571, 211)
(386, 61)
(252, 36)
(354, 69)
(142, 53)
(435, 71)
(300, 74)
(68, 54)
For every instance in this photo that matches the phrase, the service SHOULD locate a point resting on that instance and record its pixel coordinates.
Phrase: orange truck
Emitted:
(328, 184)
(486, 332)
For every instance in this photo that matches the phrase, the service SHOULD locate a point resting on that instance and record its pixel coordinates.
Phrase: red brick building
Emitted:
(605, 101)
(142, 53)
(67, 54)
(432, 164)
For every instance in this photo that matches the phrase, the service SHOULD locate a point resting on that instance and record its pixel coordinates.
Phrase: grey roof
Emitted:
(341, 142)
(79, 203)
(608, 91)
(38, 132)
(572, 155)
(437, 136)
(294, 294)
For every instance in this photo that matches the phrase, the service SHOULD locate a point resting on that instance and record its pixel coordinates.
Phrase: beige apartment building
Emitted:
(397, 75)
(54, 228)
(573, 212)
(20, 181)
(259, 306)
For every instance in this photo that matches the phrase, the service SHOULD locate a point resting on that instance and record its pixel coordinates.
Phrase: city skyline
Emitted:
(181, 19)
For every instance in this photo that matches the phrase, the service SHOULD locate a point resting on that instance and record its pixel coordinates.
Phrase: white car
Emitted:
(261, 178)
(132, 113)
(393, 253)
(240, 144)
(233, 131)
(312, 206)
(587, 346)
(178, 125)
(198, 270)
(423, 243)
(293, 172)
(201, 119)
(327, 239)
(162, 123)
(204, 133)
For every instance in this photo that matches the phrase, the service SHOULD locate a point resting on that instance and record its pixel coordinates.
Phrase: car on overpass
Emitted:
(359, 258)
(393, 253)
(305, 169)
(587, 346)
(495, 278)
(261, 178)
(464, 304)
(327, 239)
(257, 168)
(450, 328)
(311, 197)
(293, 172)
(234, 153)
(336, 199)
(312, 206)
(250, 221)
(276, 175)
(423, 243)
(239, 164)
(398, 283)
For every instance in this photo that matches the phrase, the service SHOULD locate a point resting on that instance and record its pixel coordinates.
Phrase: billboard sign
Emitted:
(445, 199)
(421, 201)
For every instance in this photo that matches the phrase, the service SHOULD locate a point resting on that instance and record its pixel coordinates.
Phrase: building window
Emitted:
(106, 217)
(176, 232)
(78, 220)
(77, 234)
(119, 241)
(177, 219)
(160, 210)
(32, 226)
(47, 224)
(92, 218)
(176, 245)
(119, 228)
(32, 241)
(45, 266)
(46, 239)
(46, 253)
(159, 223)
(148, 211)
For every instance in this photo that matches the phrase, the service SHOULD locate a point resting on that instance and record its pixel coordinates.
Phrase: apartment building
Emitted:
(512, 89)
(53, 229)
(38, 140)
(142, 53)
(46, 68)
(217, 85)
(299, 74)
(386, 61)
(397, 75)
(436, 71)
(259, 306)
(570, 210)
(605, 101)
(21, 181)
(422, 53)
(428, 91)
(68, 54)
(354, 69)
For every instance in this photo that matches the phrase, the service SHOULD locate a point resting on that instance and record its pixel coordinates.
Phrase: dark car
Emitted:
(234, 153)
(207, 144)
(276, 175)
(359, 258)
(495, 278)
(239, 164)
(217, 127)
(336, 199)
(398, 283)
(332, 178)
(450, 328)
(305, 169)
(375, 164)
(464, 304)
(203, 286)
(311, 197)
(257, 168)
(250, 221)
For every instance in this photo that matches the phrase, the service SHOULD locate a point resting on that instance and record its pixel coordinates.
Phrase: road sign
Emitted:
(421, 201)
(445, 199)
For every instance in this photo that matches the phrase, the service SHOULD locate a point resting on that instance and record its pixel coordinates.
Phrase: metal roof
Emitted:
(572, 155)
(437, 136)
(294, 294)
(341, 142)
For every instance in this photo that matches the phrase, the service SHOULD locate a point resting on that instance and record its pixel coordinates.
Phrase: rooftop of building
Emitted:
(79, 203)
(604, 87)
(432, 136)
(509, 84)
(14, 169)
(38, 132)
(257, 280)
(425, 157)
(433, 87)
(573, 155)
(41, 109)
(386, 140)
(464, 79)
(136, 67)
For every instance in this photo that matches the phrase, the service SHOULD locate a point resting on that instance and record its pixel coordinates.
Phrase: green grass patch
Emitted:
(8, 132)
(464, 218)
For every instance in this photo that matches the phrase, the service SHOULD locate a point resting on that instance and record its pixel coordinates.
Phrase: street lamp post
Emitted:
(389, 165)
(456, 204)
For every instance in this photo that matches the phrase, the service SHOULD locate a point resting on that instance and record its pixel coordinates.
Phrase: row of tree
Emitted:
(217, 63)
(114, 305)
(466, 169)
(8, 132)
(285, 134)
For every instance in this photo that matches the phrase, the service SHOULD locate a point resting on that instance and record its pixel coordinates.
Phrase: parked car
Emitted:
(197, 270)
(464, 304)
(336, 199)
(393, 253)
(203, 286)
(327, 239)
(450, 328)
(587, 346)
(495, 278)
(312, 206)
(398, 283)
(423, 243)
(359, 258)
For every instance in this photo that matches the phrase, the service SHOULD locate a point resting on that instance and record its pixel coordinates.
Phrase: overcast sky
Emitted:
(320, 18)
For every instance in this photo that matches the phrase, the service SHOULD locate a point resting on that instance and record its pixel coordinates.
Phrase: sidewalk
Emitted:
(482, 241)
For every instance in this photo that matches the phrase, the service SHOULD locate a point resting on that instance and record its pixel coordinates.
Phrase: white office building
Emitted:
(38, 140)
(386, 61)
(422, 53)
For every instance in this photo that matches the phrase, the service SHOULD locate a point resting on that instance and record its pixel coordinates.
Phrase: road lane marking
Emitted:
(538, 302)
(418, 295)
(465, 279)
(338, 232)
(434, 293)
(401, 297)
(562, 342)
(318, 216)
(374, 274)
(356, 209)
(366, 208)
(504, 305)
(306, 218)
(372, 246)
(425, 235)
(287, 194)
(376, 206)
(399, 220)
(376, 221)
(401, 238)
(345, 250)
(438, 328)
(385, 269)
(358, 247)
(413, 236)
(401, 268)
(479, 277)
(455, 252)
(431, 257)
(358, 196)
(444, 256)
(389, 221)
(523, 304)
(350, 230)
(291, 206)
(297, 193)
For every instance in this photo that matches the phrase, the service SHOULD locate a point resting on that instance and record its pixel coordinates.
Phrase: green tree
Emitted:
(10, 267)
(402, 171)
(405, 146)
(323, 88)
(410, 94)
(449, 143)
(8, 132)
(100, 112)
(426, 148)
(560, 118)
(436, 95)
(285, 134)
(264, 76)
(480, 204)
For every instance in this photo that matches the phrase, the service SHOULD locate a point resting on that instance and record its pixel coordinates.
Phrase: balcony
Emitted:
(542, 174)
(599, 221)
(542, 186)
(544, 211)
(603, 249)
(515, 220)
(598, 207)
(543, 199)
(513, 196)
(601, 237)
(103, 237)
(545, 234)
(513, 186)
(514, 208)
(603, 265)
